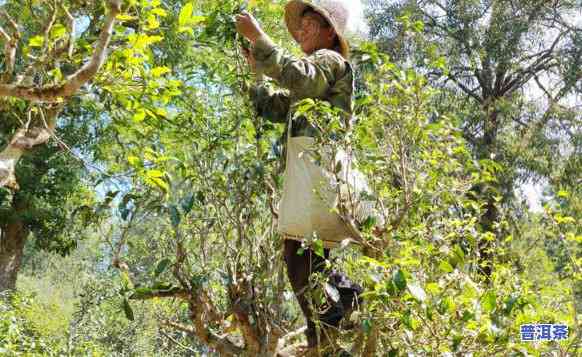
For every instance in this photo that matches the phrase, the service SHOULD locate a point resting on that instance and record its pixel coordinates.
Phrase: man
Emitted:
(324, 74)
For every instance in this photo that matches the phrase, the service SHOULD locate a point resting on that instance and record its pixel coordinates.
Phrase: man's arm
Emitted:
(309, 77)
(271, 104)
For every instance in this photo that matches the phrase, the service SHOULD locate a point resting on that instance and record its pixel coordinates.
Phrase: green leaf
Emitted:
(399, 280)
(369, 223)
(186, 29)
(125, 280)
(186, 19)
(58, 31)
(140, 293)
(447, 305)
(156, 181)
(418, 26)
(459, 254)
(185, 14)
(128, 310)
(488, 301)
(198, 281)
(124, 213)
(195, 20)
(159, 12)
(318, 248)
(445, 266)
(160, 71)
(139, 116)
(409, 321)
(162, 286)
(187, 203)
(162, 266)
(154, 173)
(367, 326)
(133, 160)
(125, 17)
(509, 304)
(174, 216)
(152, 23)
(36, 41)
(433, 288)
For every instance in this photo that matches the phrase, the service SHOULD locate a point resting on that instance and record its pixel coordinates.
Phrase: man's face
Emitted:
(309, 35)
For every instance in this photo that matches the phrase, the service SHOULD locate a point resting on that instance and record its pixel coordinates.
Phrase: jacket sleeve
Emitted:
(309, 77)
(271, 104)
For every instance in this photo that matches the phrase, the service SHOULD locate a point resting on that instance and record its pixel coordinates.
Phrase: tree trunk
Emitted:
(489, 191)
(486, 247)
(13, 238)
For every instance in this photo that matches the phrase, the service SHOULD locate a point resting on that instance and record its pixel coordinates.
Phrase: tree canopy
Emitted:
(140, 188)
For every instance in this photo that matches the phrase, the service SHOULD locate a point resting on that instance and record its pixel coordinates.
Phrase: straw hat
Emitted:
(333, 11)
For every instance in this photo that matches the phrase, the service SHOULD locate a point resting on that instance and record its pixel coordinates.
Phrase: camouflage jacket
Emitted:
(323, 75)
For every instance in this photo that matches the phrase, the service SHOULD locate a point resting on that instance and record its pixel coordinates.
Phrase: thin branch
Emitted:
(10, 44)
(170, 293)
(470, 92)
(71, 23)
(76, 80)
(178, 326)
(11, 21)
(47, 31)
(177, 343)
(541, 86)
(522, 76)
(527, 74)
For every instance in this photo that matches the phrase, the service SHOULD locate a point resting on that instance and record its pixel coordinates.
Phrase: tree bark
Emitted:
(486, 247)
(13, 238)
(489, 191)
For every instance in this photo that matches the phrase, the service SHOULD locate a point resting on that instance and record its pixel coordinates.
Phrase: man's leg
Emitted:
(299, 269)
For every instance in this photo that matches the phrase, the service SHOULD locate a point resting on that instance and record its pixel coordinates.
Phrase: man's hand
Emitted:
(247, 26)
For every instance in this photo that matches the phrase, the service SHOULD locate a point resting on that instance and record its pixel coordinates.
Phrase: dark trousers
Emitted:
(299, 269)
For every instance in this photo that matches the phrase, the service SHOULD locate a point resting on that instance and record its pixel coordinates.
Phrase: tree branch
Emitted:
(10, 21)
(47, 31)
(247, 329)
(23, 141)
(465, 89)
(71, 23)
(200, 330)
(10, 46)
(522, 76)
(170, 293)
(76, 80)
(284, 340)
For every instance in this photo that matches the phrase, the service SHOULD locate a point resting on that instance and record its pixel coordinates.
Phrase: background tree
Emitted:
(42, 50)
(516, 64)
